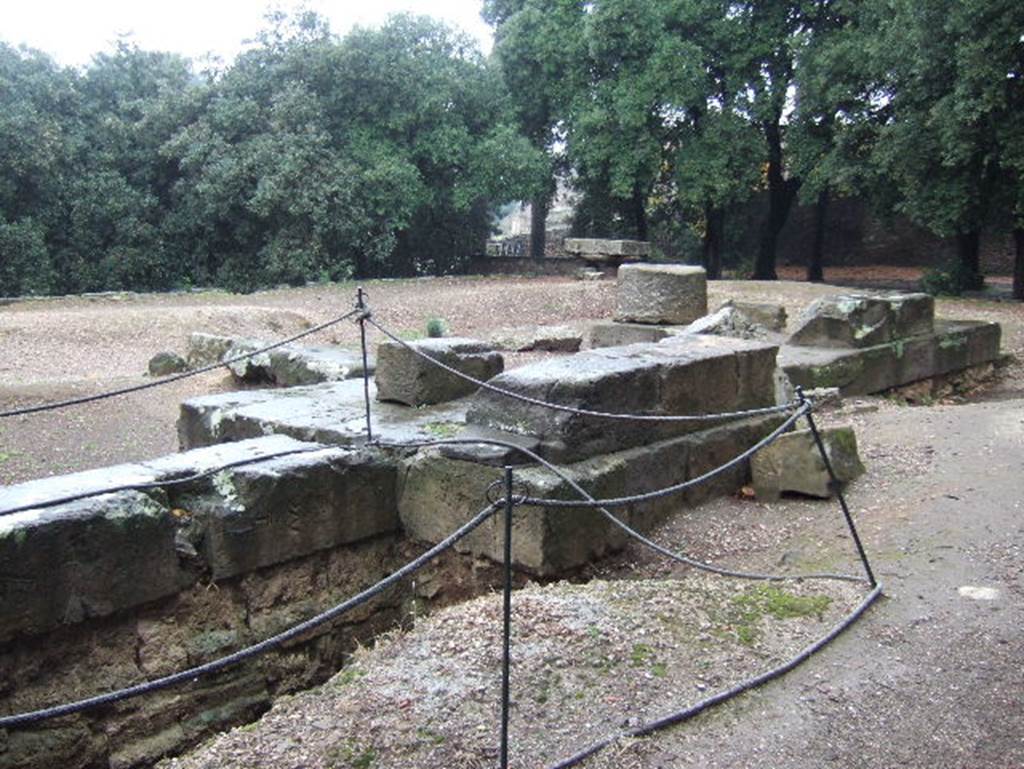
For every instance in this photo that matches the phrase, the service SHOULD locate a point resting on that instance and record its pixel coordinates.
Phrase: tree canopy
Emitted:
(387, 151)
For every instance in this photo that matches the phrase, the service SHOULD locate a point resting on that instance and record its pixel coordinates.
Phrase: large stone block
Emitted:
(405, 377)
(661, 293)
(438, 493)
(254, 516)
(84, 559)
(771, 316)
(913, 314)
(864, 320)
(333, 413)
(287, 366)
(609, 334)
(844, 321)
(680, 375)
(794, 463)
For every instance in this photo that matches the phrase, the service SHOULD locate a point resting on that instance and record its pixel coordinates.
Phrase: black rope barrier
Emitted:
(146, 486)
(779, 409)
(257, 649)
(173, 377)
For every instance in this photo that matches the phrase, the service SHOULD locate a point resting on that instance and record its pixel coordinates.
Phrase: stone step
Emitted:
(953, 346)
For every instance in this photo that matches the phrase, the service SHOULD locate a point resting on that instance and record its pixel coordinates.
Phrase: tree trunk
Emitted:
(781, 192)
(1018, 264)
(815, 271)
(968, 246)
(538, 224)
(714, 230)
(640, 212)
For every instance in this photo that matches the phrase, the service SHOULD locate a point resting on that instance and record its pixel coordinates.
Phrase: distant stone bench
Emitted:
(610, 252)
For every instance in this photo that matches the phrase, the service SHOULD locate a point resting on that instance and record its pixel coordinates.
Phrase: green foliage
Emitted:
(310, 158)
(952, 279)
(436, 327)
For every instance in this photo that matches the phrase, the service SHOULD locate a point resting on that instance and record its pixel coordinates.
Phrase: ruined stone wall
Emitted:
(114, 590)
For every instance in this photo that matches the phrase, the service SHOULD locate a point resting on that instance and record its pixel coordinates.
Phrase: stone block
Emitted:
(610, 334)
(680, 375)
(597, 249)
(565, 338)
(661, 293)
(332, 413)
(727, 321)
(771, 316)
(204, 349)
(438, 493)
(287, 366)
(845, 321)
(405, 377)
(166, 363)
(254, 516)
(794, 463)
(953, 346)
(84, 559)
(913, 314)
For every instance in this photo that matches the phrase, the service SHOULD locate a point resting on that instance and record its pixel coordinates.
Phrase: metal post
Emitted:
(837, 487)
(361, 305)
(507, 633)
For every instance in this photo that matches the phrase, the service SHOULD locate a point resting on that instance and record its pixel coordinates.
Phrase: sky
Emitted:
(71, 31)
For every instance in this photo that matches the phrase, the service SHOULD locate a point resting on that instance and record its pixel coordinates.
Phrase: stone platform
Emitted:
(952, 346)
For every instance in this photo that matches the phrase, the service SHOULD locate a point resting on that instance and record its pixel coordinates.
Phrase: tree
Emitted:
(952, 148)
(541, 54)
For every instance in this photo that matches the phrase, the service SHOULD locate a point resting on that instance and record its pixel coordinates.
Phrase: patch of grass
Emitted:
(436, 328)
(348, 676)
(747, 609)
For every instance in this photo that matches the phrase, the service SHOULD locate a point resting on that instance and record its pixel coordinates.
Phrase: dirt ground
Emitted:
(931, 677)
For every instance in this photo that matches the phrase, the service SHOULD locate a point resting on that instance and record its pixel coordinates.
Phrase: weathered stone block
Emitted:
(258, 515)
(84, 559)
(544, 338)
(287, 366)
(166, 363)
(405, 377)
(597, 249)
(845, 321)
(607, 334)
(953, 346)
(333, 413)
(728, 321)
(794, 463)
(771, 316)
(671, 377)
(913, 314)
(661, 293)
(204, 349)
(438, 493)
